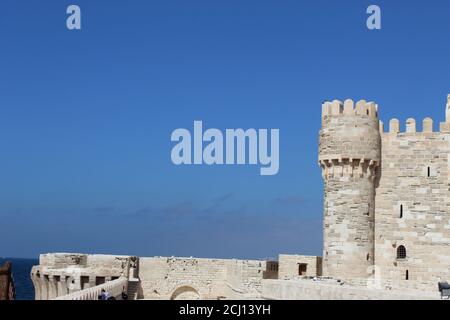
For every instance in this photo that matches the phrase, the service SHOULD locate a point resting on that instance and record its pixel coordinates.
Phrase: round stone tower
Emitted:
(349, 154)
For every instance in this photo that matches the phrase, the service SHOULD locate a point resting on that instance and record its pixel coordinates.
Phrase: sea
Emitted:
(21, 273)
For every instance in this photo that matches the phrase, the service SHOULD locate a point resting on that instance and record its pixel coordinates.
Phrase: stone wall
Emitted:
(196, 278)
(329, 290)
(413, 207)
(59, 274)
(294, 266)
(7, 289)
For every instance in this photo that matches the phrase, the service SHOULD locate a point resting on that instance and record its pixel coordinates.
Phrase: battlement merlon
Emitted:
(411, 128)
(348, 107)
(394, 126)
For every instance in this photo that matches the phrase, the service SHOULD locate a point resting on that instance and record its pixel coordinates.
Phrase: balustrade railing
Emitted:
(114, 288)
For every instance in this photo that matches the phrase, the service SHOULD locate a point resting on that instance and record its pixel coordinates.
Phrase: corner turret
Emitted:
(349, 154)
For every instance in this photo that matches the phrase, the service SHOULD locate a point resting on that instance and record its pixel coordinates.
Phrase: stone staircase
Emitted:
(134, 285)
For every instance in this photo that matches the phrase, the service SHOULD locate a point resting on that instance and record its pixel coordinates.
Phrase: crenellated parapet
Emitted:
(349, 139)
(411, 125)
(349, 108)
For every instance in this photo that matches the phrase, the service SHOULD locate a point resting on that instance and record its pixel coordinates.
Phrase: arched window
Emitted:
(401, 252)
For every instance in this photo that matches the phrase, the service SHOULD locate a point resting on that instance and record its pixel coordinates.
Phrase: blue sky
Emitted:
(86, 116)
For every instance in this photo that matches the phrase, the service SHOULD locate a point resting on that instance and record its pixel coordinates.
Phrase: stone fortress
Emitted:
(386, 229)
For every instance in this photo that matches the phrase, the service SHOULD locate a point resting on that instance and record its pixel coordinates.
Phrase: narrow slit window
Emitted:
(407, 275)
(401, 211)
(429, 172)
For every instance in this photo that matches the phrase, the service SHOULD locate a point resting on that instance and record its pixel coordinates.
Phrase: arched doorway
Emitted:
(185, 293)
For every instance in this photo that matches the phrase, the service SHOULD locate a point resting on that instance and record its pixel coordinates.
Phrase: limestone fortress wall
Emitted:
(59, 274)
(386, 229)
(413, 204)
(386, 197)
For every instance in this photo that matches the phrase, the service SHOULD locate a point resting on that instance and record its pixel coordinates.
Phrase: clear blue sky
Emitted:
(86, 116)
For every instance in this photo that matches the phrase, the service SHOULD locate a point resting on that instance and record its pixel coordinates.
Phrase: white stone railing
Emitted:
(114, 288)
